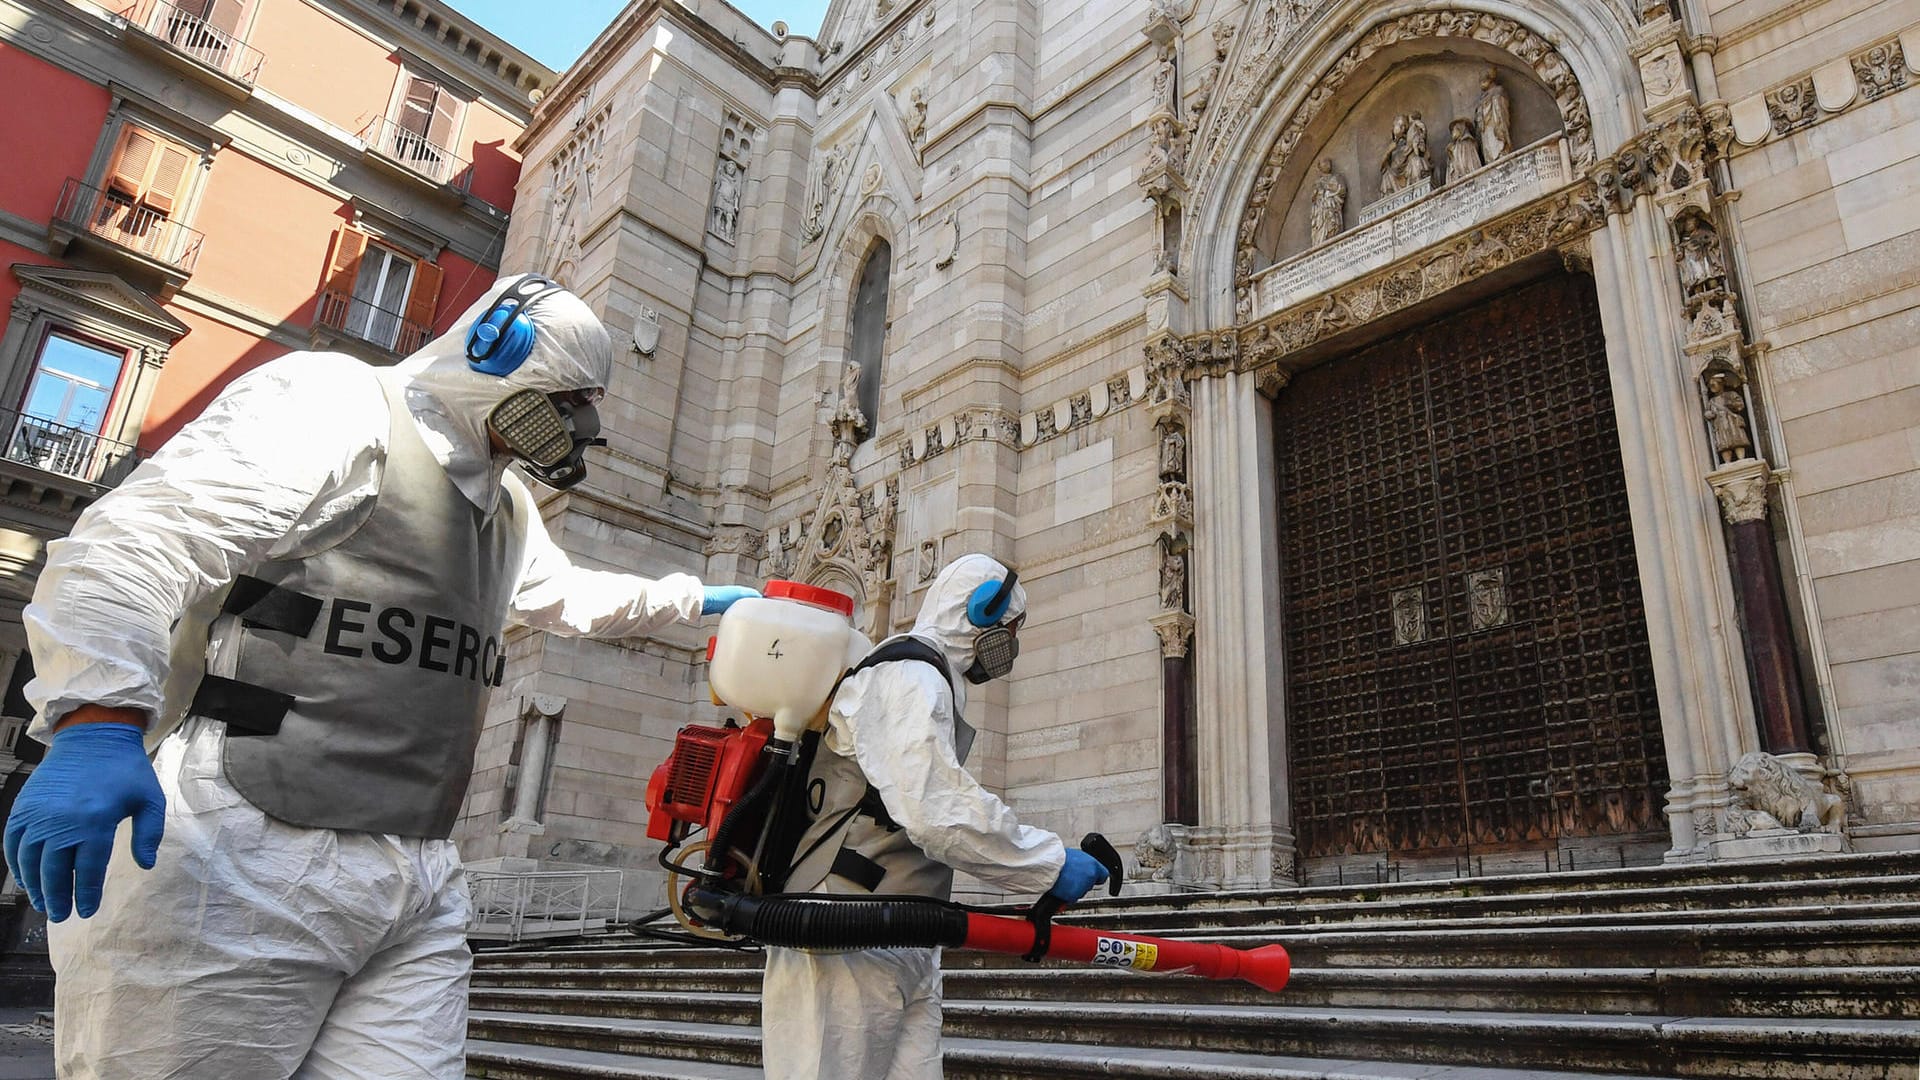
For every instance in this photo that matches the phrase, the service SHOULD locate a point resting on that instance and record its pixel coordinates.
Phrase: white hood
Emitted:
(450, 401)
(943, 614)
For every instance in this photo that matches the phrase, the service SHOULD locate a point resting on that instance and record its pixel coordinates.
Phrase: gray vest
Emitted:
(360, 673)
(848, 850)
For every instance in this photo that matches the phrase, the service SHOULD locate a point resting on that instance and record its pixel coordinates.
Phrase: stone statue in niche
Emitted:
(1701, 267)
(1173, 574)
(1493, 115)
(917, 117)
(1463, 151)
(820, 187)
(726, 200)
(1166, 144)
(1153, 854)
(1329, 213)
(1393, 164)
(1173, 452)
(1419, 159)
(1726, 420)
(1163, 79)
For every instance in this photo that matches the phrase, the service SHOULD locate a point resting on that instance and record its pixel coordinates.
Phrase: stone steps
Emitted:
(1811, 1049)
(971, 1059)
(1785, 971)
(1886, 993)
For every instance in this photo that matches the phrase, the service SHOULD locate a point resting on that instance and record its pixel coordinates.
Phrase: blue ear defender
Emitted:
(988, 604)
(502, 337)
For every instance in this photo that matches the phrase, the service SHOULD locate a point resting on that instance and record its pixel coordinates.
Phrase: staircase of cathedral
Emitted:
(1799, 970)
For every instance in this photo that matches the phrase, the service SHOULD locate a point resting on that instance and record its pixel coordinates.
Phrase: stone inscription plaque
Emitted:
(1507, 184)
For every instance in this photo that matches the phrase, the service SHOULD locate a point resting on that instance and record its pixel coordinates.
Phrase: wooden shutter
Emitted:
(224, 16)
(424, 295)
(446, 111)
(169, 180)
(132, 162)
(349, 246)
(416, 107)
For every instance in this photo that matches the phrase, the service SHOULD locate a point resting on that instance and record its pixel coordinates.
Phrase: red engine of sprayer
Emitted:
(709, 770)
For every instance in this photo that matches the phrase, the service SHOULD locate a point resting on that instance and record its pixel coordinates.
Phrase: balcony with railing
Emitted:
(343, 315)
(75, 453)
(412, 151)
(127, 227)
(182, 33)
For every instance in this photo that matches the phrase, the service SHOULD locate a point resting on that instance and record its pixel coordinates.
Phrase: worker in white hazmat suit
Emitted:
(893, 811)
(299, 602)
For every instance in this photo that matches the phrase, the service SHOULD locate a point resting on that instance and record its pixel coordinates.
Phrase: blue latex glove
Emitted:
(1078, 877)
(60, 834)
(719, 598)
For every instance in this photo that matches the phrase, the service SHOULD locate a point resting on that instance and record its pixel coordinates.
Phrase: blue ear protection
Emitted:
(502, 337)
(988, 604)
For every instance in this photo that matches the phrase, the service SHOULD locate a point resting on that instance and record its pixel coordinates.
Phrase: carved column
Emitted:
(539, 715)
(1742, 490)
(1245, 836)
(1179, 776)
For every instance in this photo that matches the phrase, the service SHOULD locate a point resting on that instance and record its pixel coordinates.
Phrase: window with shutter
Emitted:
(205, 29)
(145, 185)
(425, 121)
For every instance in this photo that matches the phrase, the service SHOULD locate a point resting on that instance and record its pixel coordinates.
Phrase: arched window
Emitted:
(870, 327)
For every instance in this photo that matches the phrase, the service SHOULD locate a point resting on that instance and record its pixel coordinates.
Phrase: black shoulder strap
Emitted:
(904, 648)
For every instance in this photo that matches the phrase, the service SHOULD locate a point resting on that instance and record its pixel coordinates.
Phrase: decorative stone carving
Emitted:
(1257, 71)
(1702, 267)
(1329, 215)
(1540, 226)
(946, 241)
(573, 173)
(1770, 794)
(1164, 90)
(1725, 411)
(1406, 161)
(1173, 572)
(821, 185)
(1172, 503)
(1493, 116)
(734, 540)
(1175, 629)
(777, 557)
(646, 331)
(1153, 855)
(917, 117)
(1173, 450)
(929, 561)
(723, 220)
(849, 422)
(1487, 599)
(1463, 150)
(1166, 144)
(870, 179)
(1409, 610)
(1793, 106)
(1223, 32)
(1880, 70)
(1166, 375)
(1742, 491)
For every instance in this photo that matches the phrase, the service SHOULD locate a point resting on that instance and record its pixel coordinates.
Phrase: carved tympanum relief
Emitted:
(1383, 149)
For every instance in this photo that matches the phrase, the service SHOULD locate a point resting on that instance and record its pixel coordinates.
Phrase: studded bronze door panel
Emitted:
(1466, 652)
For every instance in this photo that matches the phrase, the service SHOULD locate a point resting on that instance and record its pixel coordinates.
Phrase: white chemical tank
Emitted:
(779, 655)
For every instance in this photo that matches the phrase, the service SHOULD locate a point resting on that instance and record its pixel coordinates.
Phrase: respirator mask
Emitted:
(549, 433)
(994, 652)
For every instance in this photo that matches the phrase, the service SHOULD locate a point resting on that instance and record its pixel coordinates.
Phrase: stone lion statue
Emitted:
(1153, 854)
(1768, 794)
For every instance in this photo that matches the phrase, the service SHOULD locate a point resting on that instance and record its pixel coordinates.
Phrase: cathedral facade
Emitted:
(1436, 438)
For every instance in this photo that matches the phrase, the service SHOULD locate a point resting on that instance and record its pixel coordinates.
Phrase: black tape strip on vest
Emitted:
(266, 606)
(858, 869)
(246, 709)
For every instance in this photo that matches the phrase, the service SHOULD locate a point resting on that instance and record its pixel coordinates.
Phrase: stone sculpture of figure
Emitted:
(1419, 159)
(1701, 267)
(1393, 164)
(1727, 421)
(826, 176)
(1769, 794)
(1153, 854)
(917, 116)
(726, 199)
(1164, 144)
(1463, 151)
(1173, 452)
(1329, 213)
(1163, 79)
(1173, 580)
(1493, 115)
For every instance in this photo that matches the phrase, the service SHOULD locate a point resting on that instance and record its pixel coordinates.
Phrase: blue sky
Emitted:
(556, 32)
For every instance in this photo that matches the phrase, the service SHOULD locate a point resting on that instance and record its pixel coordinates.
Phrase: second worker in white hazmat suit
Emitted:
(893, 811)
(300, 604)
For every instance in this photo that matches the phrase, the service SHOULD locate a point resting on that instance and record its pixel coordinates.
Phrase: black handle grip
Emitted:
(1102, 851)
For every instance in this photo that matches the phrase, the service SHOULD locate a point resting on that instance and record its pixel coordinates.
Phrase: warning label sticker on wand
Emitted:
(1118, 952)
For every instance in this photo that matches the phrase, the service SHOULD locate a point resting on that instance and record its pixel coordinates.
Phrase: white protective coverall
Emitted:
(256, 949)
(875, 1014)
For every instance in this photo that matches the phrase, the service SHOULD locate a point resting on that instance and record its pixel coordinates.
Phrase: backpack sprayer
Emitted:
(778, 659)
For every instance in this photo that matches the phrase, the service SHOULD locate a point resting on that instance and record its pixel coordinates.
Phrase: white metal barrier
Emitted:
(543, 904)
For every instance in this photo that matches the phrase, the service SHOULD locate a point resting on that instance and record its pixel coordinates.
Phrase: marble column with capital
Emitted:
(1239, 728)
